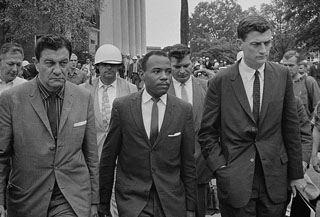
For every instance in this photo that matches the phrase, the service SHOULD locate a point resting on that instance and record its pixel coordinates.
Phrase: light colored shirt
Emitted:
(4, 86)
(188, 86)
(146, 106)
(111, 91)
(247, 75)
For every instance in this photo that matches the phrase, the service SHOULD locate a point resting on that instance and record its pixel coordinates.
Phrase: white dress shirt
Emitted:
(247, 75)
(146, 106)
(111, 91)
(4, 86)
(188, 86)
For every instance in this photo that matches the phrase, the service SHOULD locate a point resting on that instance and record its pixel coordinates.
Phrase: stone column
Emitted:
(132, 29)
(106, 21)
(143, 28)
(125, 26)
(117, 30)
(138, 26)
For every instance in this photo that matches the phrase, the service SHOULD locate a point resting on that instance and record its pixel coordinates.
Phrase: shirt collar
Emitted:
(46, 93)
(146, 97)
(249, 72)
(113, 84)
(187, 83)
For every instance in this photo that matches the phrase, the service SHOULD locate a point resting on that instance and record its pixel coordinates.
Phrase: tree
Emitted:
(306, 18)
(283, 39)
(215, 20)
(184, 23)
(21, 20)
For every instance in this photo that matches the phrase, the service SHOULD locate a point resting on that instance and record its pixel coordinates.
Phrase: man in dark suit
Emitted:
(193, 91)
(48, 138)
(152, 135)
(250, 129)
(134, 71)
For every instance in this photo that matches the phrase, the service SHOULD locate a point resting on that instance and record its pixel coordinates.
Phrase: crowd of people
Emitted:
(164, 135)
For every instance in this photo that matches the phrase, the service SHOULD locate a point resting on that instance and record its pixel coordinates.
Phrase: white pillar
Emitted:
(138, 26)
(117, 33)
(106, 21)
(143, 28)
(132, 29)
(125, 26)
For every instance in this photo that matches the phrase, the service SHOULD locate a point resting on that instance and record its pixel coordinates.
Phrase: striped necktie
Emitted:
(256, 97)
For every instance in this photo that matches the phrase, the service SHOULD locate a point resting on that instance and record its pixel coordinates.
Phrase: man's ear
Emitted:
(36, 63)
(239, 43)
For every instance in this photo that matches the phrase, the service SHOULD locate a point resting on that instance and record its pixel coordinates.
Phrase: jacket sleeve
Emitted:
(210, 126)
(6, 140)
(91, 153)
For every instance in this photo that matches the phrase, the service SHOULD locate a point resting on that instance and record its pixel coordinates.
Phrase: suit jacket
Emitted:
(130, 71)
(123, 88)
(229, 135)
(199, 89)
(169, 163)
(37, 162)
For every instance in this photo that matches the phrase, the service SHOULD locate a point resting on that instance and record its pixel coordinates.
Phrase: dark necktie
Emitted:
(154, 128)
(53, 115)
(256, 97)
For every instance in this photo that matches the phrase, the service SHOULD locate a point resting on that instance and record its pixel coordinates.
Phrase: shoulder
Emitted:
(179, 102)
(77, 90)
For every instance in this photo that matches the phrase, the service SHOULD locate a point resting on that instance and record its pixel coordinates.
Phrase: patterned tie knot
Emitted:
(256, 73)
(155, 99)
(182, 84)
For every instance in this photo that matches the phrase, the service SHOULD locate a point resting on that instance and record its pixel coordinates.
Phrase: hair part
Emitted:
(292, 53)
(13, 48)
(179, 51)
(52, 42)
(148, 55)
(252, 23)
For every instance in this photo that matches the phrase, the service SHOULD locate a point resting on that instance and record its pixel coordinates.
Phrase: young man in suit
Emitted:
(48, 138)
(152, 136)
(250, 129)
(193, 91)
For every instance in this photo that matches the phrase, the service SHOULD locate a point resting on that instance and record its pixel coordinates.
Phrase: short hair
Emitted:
(292, 53)
(12, 48)
(179, 51)
(148, 55)
(252, 23)
(52, 42)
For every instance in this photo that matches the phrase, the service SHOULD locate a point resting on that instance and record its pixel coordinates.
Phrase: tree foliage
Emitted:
(184, 22)
(215, 19)
(22, 19)
(306, 18)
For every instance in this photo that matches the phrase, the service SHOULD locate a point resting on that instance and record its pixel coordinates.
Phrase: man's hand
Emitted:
(2, 211)
(297, 184)
(190, 214)
(304, 166)
(315, 163)
(94, 211)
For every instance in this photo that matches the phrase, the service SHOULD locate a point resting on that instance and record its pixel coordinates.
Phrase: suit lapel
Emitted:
(37, 104)
(198, 95)
(239, 90)
(267, 91)
(136, 113)
(171, 89)
(67, 104)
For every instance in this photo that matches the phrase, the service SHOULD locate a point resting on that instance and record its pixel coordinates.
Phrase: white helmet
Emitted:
(108, 53)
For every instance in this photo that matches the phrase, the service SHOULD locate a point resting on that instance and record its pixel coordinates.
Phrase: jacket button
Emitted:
(251, 160)
(52, 148)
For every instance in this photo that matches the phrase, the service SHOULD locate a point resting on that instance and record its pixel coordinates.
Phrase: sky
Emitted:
(163, 19)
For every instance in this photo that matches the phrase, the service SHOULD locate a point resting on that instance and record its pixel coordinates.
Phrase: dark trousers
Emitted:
(201, 200)
(153, 207)
(59, 206)
(259, 204)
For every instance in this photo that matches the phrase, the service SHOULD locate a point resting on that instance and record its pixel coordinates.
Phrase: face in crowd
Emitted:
(52, 61)
(73, 61)
(108, 71)
(11, 63)
(255, 40)
(157, 73)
